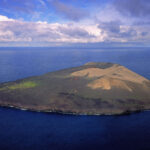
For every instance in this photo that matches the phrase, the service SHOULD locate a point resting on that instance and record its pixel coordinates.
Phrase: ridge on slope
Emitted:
(115, 71)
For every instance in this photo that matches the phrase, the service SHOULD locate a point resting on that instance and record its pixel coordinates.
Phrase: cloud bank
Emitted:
(14, 30)
(55, 21)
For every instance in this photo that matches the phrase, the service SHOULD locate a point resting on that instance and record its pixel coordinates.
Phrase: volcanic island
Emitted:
(91, 89)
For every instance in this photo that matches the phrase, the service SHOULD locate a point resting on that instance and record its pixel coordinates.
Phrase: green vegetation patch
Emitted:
(22, 85)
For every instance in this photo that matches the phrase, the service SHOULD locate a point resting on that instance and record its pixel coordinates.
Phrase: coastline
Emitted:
(60, 112)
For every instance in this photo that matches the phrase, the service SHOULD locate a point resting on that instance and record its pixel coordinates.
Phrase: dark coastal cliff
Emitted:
(94, 88)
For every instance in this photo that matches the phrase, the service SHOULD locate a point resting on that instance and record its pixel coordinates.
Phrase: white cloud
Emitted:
(4, 18)
(20, 31)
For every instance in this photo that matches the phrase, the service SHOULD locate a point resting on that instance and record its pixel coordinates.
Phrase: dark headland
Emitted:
(94, 88)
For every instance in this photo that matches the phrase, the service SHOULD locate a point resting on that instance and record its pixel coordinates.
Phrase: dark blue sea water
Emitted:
(23, 130)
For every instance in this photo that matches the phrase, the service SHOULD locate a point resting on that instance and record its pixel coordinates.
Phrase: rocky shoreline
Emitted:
(73, 113)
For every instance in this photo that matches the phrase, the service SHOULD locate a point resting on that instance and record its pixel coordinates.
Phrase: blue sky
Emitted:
(65, 22)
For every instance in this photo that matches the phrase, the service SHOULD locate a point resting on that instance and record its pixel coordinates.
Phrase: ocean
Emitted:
(24, 130)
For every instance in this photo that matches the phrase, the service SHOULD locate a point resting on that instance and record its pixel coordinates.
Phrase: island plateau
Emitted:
(92, 89)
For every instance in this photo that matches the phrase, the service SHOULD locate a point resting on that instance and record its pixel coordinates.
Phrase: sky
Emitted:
(74, 22)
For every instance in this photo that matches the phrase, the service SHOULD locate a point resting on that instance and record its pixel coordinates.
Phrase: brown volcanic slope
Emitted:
(94, 88)
(110, 77)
